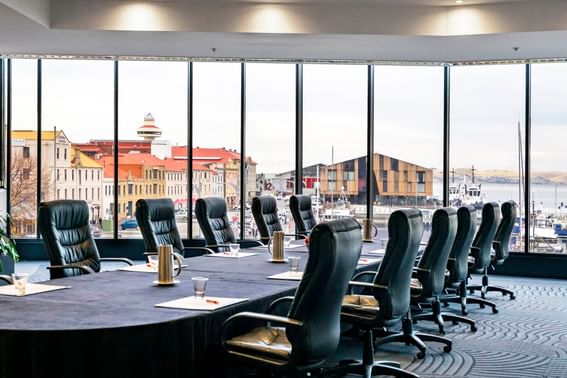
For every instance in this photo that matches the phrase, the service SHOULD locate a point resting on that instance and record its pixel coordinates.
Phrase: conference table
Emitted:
(107, 324)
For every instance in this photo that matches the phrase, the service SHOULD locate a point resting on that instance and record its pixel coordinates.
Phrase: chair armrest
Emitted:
(248, 243)
(256, 316)
(361, 274)
(277, 302)
(302, 236)
(120, 259)
(84, 268)
(368, 285)
(418, 269)
(6, 278)
(206, 250)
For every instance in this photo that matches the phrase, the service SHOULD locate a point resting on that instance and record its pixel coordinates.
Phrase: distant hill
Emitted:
(504, 176)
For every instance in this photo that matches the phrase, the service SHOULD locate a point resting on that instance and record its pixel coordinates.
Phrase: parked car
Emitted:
(129, 224)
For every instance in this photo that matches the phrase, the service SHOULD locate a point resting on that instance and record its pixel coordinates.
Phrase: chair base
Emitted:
(485, 287)
(409, 336)
(368, 367)
(439, 317)
(462, 298)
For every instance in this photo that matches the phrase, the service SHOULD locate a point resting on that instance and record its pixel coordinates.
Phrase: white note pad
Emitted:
(144, 268)
(228, 255)
(365, 261)
(31, 288)
(204, 304)
(287, 276)
(379, 251)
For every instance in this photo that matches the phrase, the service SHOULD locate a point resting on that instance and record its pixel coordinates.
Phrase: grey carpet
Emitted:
(527, 338)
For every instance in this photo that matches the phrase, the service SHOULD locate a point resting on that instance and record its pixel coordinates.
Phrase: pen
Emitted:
(212, 301)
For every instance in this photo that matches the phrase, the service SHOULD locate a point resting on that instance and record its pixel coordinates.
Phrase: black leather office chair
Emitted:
(501, 245)
(429, 282)
(302, 213)
(156, 219)
(64, 226)
(310, 332)
(388, 300)
(457, 265)
(212, 216)
(265, 212)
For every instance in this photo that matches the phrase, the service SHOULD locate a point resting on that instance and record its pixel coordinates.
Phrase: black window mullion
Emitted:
(115, 151)
(299, 128)
(446, 131)
(370, 144)
(190, 150)
(528, 138)
(243, 193)
(39, 141)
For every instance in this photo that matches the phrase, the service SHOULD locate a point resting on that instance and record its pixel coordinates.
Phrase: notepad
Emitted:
(201, 304)
(228, 255)
(31, 288)
(144, 268)
(379, 251)
(365, 261)
(287, 276)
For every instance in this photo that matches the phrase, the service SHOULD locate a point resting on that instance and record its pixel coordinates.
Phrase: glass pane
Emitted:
(408, 142)
(487, 140)
(216, 138)
(548, 181)
(78, 109)
(23, 170)
(334, 144)
(270, 144)
(153, 139)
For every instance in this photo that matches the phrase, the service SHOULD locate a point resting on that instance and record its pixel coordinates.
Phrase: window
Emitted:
(270, 133)
(65, 174)
(26, 152)
(78, 98)
(408, 135)
(490, 173)
(130, 187)
(335, 96)
(57, 175)
(216, 107)
(26, 174)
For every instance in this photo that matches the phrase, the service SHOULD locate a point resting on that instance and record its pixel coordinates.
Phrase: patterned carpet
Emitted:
(527, 338)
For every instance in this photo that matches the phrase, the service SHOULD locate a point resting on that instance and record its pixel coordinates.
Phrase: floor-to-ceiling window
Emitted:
(77, 112)
(152, 147)
(22, 171)
(270, 136)
(334, 139)
(548, 179)
(408, 141)
(487, 138)
(216, 136)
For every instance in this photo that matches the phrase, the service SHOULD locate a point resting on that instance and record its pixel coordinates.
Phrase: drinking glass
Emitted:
(294, 264)
(153, 260)
(199, 285)
(20, 281)
(234, 248)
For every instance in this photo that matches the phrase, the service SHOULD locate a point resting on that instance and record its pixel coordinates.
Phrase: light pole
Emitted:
(55, 162)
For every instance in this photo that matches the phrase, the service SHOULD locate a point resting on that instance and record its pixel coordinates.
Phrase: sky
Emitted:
(487, 102)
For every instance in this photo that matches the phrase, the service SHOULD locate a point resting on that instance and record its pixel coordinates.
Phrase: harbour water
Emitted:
(550, 199)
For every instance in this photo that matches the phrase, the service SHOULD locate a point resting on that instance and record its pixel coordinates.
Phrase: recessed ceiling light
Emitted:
(459, 1)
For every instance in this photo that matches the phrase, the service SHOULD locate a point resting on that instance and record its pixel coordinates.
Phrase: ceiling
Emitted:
(361, 30)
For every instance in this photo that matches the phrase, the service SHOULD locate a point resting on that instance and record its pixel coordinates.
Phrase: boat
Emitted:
(464, 194)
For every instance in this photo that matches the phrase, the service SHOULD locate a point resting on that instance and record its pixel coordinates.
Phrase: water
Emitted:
(546, 197)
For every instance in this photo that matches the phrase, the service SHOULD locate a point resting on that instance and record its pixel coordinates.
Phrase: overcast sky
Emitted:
(487, 102)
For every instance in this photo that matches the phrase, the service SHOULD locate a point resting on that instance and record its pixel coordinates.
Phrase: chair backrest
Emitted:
(433, 261)
(156, 219)
(334, 251)
(504, 231)
(405, 229)
(64, 227)
(265, 212)
(302, 212)
(485, 235)
(458, 266)
(213, 220)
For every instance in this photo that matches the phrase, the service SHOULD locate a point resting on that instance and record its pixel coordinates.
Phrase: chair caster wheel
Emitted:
(494, 310)
(455, 322)
(481, 305)
(512, 297)
(447, 348)
(445, 304)
(474, 329)
(464, 312)
(420, 355)
(442, 333)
